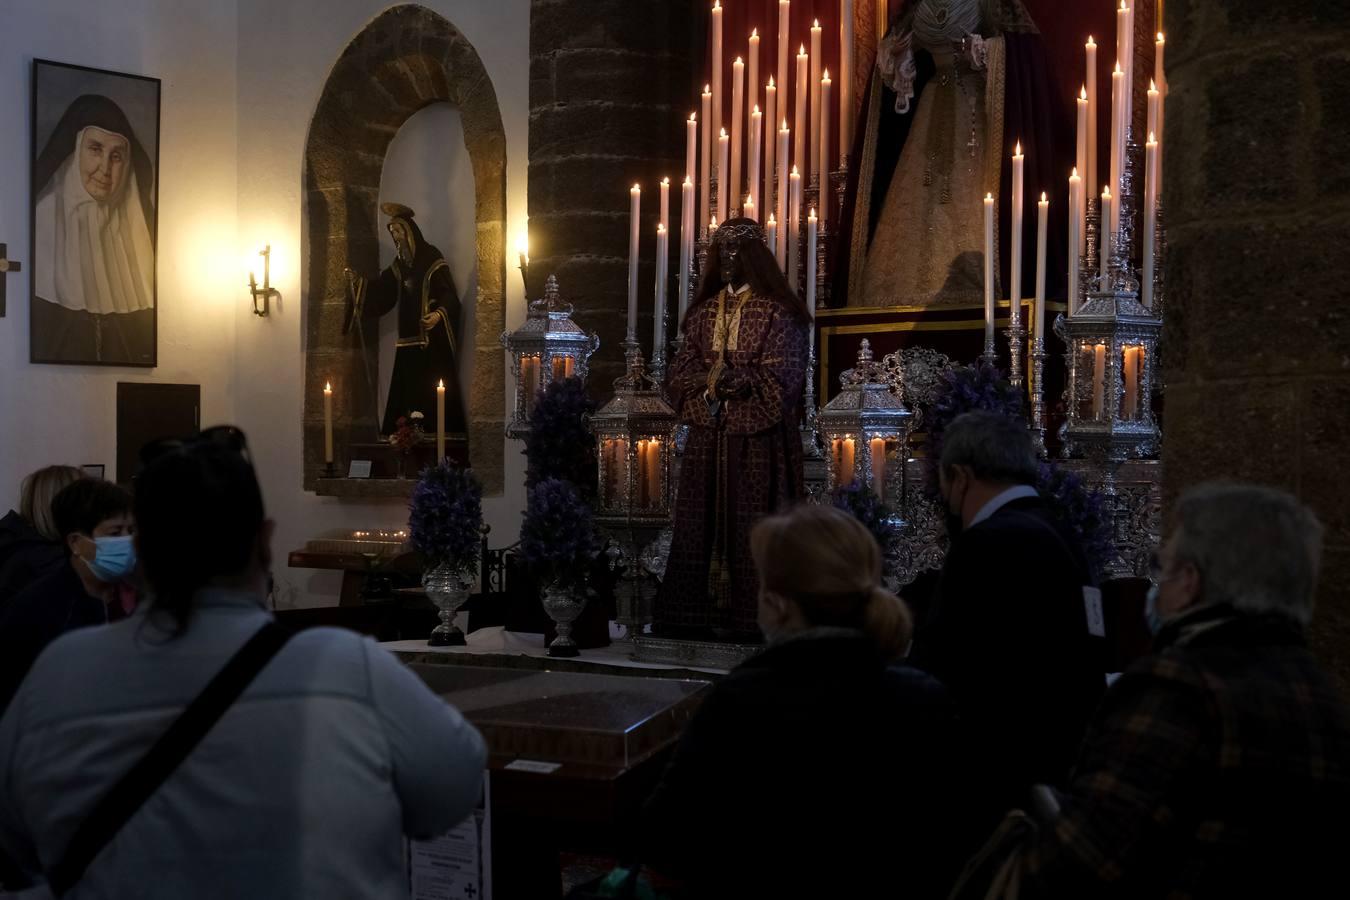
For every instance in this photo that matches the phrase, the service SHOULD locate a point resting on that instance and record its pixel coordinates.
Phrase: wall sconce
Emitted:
(266, 292)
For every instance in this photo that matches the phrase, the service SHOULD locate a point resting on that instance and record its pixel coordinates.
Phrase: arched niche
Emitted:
(407, 58)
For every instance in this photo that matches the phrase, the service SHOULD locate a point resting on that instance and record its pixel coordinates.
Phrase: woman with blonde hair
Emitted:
(30, 543)
(817, 768)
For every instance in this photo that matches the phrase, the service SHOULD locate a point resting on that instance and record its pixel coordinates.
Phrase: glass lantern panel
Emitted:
(651, 462)
(563, 367)
(885, 451)
(1098, 369)
(529, 379)
(1132, 367)
(842, 452)
(613, 472)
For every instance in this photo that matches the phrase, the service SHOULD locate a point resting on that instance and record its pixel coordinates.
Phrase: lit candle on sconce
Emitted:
(771, 232)
(634, 222)
(1118, 121)
(440, 420)
(723, 183)
(1090, 92)
(717, 122)
(1078, 208)
(794, 231)
(328, 423)
(800, 122)
(1152, 175)
(784, 22)
(735, 184)
(1015, 239)
(748, 207)
(1075, 240)
(752, 170)
(825, 86)
(705, 173)
(752, 69)
(686, 245)
(1105, 236)
(811, 232)
(781, 207)
(816, 117)
(1038, 311)
(766, 201)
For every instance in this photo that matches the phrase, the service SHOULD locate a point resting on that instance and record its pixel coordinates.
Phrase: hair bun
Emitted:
(887, 620)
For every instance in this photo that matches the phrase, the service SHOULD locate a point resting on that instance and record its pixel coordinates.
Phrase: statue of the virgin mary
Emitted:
(958, 83)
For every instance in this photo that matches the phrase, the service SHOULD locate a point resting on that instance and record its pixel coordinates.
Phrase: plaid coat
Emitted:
(1219, 766)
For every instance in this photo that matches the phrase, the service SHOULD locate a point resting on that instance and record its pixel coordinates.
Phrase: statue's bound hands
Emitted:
(429, 321)
(735, 384)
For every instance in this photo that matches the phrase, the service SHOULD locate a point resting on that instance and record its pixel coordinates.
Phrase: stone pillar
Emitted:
(1257, 202)
(611, 84)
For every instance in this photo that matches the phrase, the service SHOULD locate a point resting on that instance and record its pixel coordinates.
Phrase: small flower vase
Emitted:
(563, 605)
(448, 592)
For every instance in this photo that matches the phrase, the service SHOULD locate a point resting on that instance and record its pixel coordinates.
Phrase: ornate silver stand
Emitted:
(1038, 395)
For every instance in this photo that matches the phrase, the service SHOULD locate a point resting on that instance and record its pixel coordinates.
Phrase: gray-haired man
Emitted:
(1219, 766)
(1015, 625)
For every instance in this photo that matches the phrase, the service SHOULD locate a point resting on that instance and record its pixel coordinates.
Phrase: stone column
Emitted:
(1257, 203)
(611, 84)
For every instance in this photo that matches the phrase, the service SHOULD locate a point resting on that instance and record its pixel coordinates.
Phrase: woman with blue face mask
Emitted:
(94, 587)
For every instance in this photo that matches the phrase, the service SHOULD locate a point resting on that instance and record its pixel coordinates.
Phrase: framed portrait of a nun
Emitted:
(94, 218)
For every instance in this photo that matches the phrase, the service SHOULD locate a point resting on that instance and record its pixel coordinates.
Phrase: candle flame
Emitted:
(756, 111)
(660, 229)
(1106, 191)
(1152, 85)
(812, 213)
(772, 220)
(1152, 138)
(785, 127)
(738, 62)
(802, 51)
(688, 181)
(693, 117)
(1082, 94)
(826, 76)
(723, 135)
(707, 90)
(665, 182)
(1074, 173)
(795, 174)
(717, 4)
(1091, 42)
(770, 81)
(1160, 38)
(327, 387)
(635, 190)
(440, 384)
(1119, 71)
(815, 24)
(1122, 6)
(1018, 151)
(713, 221)
(754, 32)
(1043, 197)
(989, 197)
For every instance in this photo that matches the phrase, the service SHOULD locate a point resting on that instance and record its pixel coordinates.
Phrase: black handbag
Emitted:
(153, 769)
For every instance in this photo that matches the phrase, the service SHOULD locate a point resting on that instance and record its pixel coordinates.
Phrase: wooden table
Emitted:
(593, 746)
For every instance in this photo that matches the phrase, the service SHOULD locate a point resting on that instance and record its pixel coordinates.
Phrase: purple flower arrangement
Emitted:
(559, 443)
(1082, 510)
(863, 504)
(558, 542)
(445, 516)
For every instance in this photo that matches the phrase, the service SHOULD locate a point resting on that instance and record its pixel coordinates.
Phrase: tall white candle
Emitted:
(770, 145)
(794, 232)
(756, 137)
(825, 86)
(328, 422)
(1015, 239)
(1075, 240)
(784, 23)
(988, 270)
(705, 174)
(771, 236)
(717, 108)
(1117, 139)
(634, 220)
(752, 70)
(735, 183)
(1038, 314)
(748, 207)
(1125, 56)
(724, 192)
(1160, 78)
(1152, 118)
(659, 294)
(1077, 210)
(1151, 172)
(440, 420)
(800, 122)
(686, 246)
(1090, 175)
(813, 134)
(664, 220)
(845, 75)
(811, 223)
(784, 192)
(1104, 239)
(691, 145)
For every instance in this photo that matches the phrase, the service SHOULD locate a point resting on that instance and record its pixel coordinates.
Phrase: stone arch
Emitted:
(407, 58)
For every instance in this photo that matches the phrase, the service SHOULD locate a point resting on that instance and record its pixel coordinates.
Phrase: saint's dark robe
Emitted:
(424, 355)
(737, 467)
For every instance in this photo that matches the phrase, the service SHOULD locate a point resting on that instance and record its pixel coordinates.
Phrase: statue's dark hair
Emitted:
(761, 273)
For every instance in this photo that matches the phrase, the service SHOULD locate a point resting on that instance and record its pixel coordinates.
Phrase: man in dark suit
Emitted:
(1015, 626)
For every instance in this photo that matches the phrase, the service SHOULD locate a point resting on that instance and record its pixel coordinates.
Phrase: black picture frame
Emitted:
(94, 303)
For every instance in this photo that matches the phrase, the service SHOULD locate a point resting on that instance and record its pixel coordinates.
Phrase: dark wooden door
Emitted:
(148, 412)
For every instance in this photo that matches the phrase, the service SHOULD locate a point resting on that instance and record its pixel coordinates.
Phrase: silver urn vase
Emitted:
(448, 592)
(563, 605)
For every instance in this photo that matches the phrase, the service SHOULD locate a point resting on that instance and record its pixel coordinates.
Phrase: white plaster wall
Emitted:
(67, 414)
(285, 52)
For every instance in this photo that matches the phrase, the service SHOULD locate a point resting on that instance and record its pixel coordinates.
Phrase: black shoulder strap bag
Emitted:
(153, 769)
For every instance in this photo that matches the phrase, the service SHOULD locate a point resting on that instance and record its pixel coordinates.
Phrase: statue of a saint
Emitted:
(737, 384)
(418, 284)
(958, 84)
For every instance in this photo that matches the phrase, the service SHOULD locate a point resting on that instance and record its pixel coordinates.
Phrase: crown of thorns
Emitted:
(739, 232)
